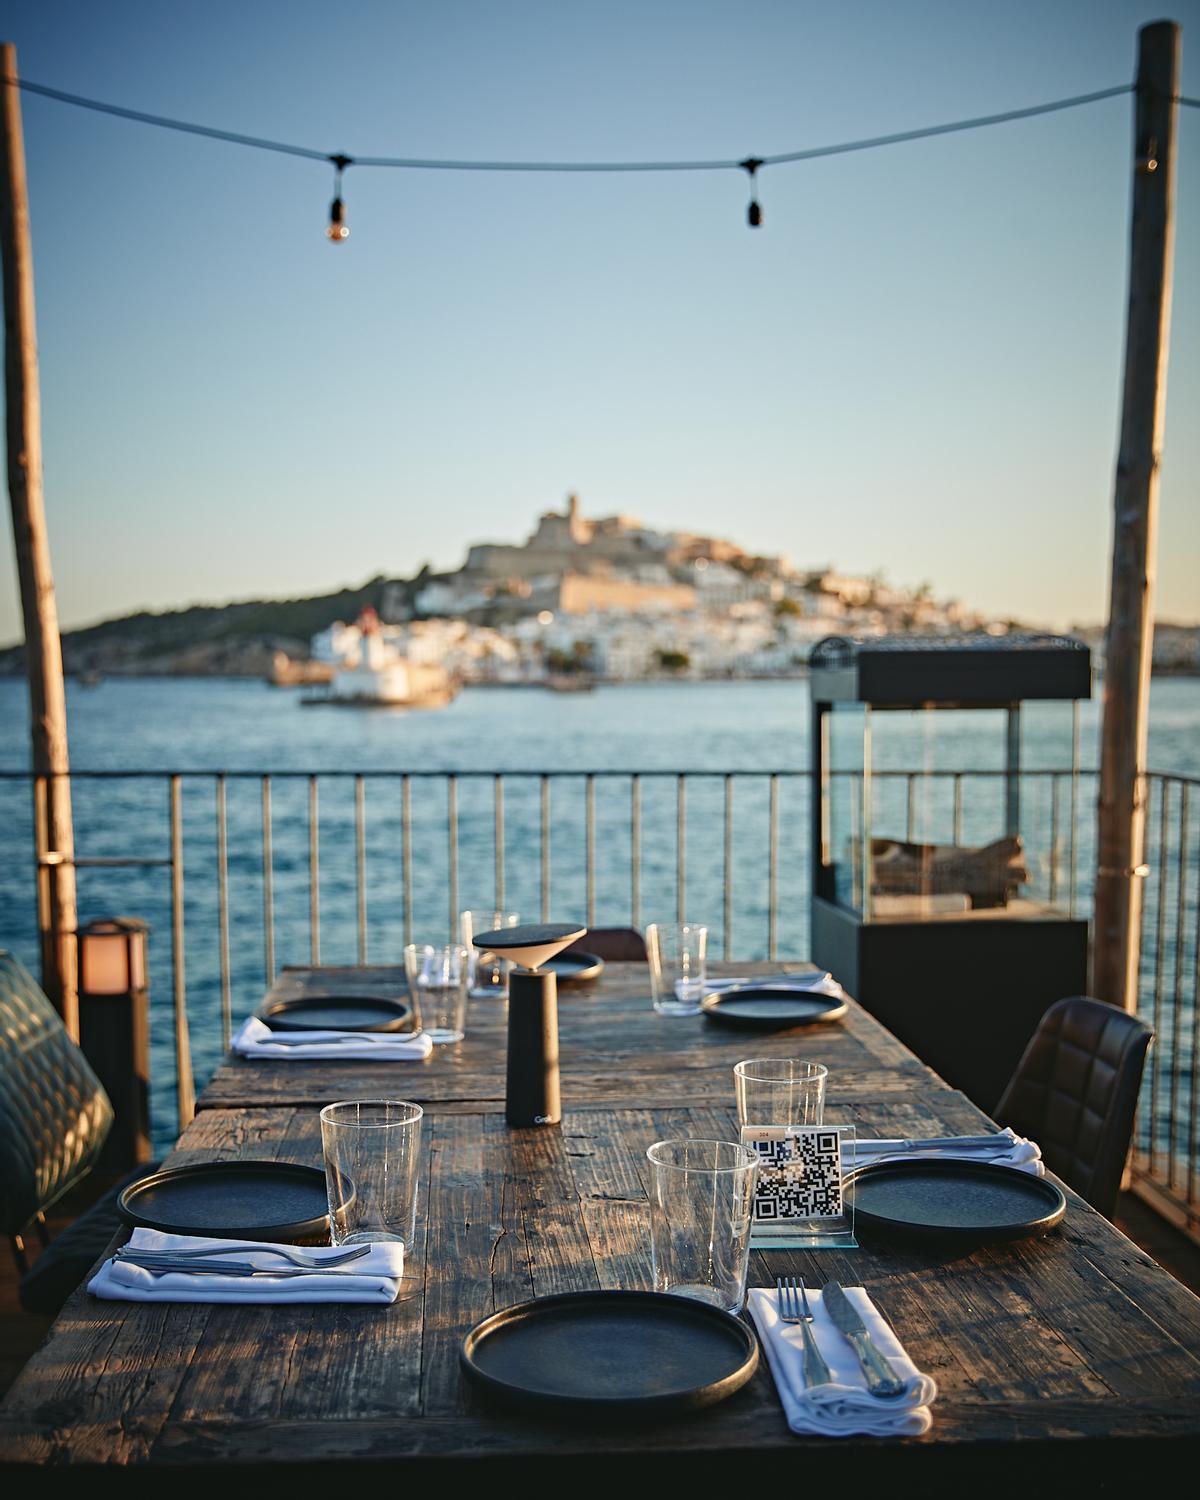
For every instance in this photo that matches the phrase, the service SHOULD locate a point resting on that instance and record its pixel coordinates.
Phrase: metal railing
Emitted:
(1165, 1161)
(265, 869)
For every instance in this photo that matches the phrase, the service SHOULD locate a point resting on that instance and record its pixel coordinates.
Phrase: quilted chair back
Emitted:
(1075, 1092)
(54, 1113)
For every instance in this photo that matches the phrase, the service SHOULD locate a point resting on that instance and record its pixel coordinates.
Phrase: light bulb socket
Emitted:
(754, 212)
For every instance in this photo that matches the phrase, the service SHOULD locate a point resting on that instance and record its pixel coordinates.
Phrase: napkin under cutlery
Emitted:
(816, 983)
(844, 1406)
(255, 1039)
(374, 1277)
(1002, 1148)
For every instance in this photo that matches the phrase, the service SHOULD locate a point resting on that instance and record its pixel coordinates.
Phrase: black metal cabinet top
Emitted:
(949, 671)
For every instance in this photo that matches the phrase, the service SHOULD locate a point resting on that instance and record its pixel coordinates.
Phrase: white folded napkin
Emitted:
(1003, 1148)
(374, 1277)
(258, 1040)
(844, 1406)
(817, 984)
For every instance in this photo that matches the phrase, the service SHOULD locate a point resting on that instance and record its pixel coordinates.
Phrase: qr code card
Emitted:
(799, 1172)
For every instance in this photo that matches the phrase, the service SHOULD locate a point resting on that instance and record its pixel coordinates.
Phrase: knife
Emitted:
(164, 1266)
(881, 1380)
(345, 1039)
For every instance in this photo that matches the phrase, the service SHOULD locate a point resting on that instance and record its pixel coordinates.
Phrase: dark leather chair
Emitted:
(615, 943)
(1075, 1092)
(54, 1113)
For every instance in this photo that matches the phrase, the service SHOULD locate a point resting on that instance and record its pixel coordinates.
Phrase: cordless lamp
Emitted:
(532, 1091)
(114, 1030)
(112, 956)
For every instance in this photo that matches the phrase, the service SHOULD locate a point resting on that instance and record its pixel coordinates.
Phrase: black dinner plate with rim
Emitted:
(950, 1200)
(769, 1009)
(337, 1013)
(234, 1200)
(611, 1354)
(574, 968)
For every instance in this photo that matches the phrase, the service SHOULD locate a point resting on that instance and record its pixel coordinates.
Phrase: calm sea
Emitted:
(211, 725)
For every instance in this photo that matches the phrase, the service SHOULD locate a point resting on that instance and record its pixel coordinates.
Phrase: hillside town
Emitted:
(612, 600)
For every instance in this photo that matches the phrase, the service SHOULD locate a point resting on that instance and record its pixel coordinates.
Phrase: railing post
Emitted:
(314, 874)
(360, 864)
(184, 1082)
(545, 850)
(268, 869)
(223, 911)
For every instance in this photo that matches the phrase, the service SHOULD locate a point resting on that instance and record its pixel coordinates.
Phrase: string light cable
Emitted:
(338, 231)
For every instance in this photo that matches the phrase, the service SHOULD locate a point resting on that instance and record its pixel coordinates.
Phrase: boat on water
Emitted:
(377, 666)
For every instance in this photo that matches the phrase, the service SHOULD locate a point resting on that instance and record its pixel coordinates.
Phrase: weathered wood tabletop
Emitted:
(1057, 1360)
(616, 1050)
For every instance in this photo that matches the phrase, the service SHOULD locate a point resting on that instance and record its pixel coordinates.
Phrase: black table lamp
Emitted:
(532, 1089)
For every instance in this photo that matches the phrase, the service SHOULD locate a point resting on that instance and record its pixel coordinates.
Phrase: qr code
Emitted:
(799, 1176)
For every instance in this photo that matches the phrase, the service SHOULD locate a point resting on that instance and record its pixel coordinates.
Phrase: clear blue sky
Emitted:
(915, 365)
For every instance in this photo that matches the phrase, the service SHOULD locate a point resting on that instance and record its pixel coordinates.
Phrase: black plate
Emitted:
(574, 968)
(234, 1200)
(337, 1013)
(771, 1010)
(955, 1200)
(617, 1354)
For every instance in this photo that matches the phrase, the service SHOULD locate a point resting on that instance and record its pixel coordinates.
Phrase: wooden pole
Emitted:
(53, 835)
(1122, 813)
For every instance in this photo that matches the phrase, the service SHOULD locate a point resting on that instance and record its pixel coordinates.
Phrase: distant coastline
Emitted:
(580, 601)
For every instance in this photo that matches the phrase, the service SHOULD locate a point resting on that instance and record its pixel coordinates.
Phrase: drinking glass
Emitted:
(780, 1091)
(676, 951)
(437, 984)
(488, 971)
(701, 1196)
(372, 1147)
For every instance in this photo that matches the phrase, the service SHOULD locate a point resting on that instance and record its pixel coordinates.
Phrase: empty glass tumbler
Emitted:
(488, 971)
(780, 1091)
(676, 951)
(437, 985)
(372, 1149)
(701, 1196)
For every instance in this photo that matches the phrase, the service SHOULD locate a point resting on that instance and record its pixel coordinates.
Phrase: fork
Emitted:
(792, 1303)
(293, 1257)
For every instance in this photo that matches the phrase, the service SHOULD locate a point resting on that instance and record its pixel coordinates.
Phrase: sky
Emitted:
(915, 365)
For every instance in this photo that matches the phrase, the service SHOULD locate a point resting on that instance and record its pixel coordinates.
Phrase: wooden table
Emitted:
(1057, 1360)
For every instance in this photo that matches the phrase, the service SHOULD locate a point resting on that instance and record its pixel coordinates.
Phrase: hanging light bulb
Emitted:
(753, 212)
(337, 226)
(338, 229)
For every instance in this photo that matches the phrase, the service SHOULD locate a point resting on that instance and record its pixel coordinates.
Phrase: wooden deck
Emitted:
(1057, 1359)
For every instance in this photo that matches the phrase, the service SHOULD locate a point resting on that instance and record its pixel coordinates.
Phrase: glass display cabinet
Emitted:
(947, 835)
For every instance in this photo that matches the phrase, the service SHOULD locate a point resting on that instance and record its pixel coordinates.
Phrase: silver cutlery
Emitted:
(959, 1143)
(160, 1266)
(816, 1371)
(881, 1379)
(293, 1257)
(372, 1039)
